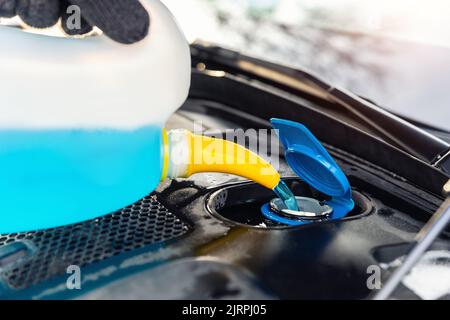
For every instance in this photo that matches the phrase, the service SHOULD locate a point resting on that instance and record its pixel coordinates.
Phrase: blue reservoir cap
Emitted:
(312, 162)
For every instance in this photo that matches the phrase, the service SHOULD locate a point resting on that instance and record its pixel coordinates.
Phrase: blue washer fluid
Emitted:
(57, 177)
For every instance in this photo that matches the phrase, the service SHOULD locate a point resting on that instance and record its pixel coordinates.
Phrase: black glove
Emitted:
(125, 21)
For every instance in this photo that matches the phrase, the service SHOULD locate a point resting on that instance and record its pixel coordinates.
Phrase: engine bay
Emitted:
(205, 237)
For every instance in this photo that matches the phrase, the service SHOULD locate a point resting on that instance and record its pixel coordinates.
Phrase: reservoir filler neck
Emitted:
(312, 162)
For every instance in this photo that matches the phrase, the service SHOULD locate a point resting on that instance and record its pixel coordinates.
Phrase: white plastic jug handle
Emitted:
(50, 82)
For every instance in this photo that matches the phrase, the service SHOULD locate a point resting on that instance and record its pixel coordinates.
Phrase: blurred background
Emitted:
(393, 52)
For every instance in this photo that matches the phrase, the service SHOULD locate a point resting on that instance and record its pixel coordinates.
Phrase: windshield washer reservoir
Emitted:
(308, 209)
(311, 162)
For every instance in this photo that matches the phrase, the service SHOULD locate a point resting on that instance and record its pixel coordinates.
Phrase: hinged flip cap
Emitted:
(311, 162)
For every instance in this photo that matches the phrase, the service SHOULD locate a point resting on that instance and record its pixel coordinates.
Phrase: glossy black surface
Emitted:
(219, 258)
(362, 112)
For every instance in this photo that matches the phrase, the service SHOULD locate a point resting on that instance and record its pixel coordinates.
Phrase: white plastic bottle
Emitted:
(81, 121)
(81, 125)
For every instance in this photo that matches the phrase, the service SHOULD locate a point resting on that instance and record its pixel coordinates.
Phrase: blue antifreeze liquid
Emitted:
(50, 178)
(284, 193)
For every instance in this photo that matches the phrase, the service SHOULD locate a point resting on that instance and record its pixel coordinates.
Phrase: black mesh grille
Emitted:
(143, 223)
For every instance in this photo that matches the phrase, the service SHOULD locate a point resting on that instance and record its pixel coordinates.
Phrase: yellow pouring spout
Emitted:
(217, 155)
(187, 153)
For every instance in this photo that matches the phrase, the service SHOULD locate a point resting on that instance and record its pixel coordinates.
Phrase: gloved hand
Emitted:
(125, 21)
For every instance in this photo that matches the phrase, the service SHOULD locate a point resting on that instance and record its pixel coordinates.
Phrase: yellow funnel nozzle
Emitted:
(216, 155)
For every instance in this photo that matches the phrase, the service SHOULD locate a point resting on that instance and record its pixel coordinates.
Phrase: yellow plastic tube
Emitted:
(206, 154)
